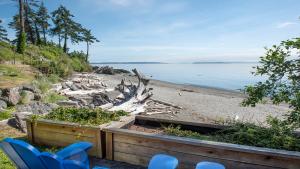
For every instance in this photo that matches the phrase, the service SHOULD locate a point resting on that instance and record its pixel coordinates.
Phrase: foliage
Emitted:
(66, 26)
(7, 113)
(89, 39)
(3, 33)
(277, 136)
(281, 67)
(42, 83)
(79, 63)
(21, 43)
(84, 116)
(42, 20)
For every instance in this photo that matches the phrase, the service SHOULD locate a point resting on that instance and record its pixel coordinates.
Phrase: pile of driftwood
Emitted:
(89, 90)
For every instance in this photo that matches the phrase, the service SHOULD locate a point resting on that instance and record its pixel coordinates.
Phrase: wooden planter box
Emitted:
(61, 134)
(138, 147)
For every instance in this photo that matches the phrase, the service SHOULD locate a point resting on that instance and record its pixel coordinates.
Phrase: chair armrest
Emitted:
(74, 149)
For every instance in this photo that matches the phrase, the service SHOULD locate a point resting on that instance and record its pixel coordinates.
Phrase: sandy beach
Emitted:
(204, 104)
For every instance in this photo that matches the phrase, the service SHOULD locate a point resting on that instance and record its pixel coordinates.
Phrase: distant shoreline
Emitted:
(217, 62)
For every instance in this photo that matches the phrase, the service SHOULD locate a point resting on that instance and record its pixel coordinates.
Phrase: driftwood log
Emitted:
(132, 97)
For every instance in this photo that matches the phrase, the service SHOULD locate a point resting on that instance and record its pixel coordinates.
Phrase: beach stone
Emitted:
(3, 105)
(12, 96)
(68, 103)
(74, 87)
(64, 86)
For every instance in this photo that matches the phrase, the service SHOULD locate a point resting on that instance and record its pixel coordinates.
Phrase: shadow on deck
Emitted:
(113, 164)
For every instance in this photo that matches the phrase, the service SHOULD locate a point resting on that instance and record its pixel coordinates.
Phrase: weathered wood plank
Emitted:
(184, 158)
(29, 132)
(236, 154)
(76, 130)
(109, 146)
(208, 152)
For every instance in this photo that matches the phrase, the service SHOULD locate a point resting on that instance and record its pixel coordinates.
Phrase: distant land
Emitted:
(219, 62)
(204, 62)
(108, 63)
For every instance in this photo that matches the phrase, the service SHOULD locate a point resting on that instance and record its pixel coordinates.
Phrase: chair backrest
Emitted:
(162, 161)
(13, 155)
(51, 161)
(209, 165)
(27, 152)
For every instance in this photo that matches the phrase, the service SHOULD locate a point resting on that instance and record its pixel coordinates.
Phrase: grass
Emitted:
(7, 131)
(84, 116)
(15, 75)
(6, 114)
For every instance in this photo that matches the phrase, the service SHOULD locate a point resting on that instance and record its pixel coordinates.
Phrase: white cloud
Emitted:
(285, 24)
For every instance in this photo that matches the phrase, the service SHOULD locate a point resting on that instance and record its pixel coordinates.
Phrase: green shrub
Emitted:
(277, 136)
(84, 116)
(6, 114)
(42, 83)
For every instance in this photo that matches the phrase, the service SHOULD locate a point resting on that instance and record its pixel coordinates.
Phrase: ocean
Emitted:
(231, 76)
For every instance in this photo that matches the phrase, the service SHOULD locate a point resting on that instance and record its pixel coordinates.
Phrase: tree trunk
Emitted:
(44, 33)
(87, 51)
(65, 44)
(30, 31)
(38, 38)
(59, 40)
(21, 9)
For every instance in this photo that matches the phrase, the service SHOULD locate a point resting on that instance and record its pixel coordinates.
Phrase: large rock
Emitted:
(31, 88)
(27, 96)
(36, 107)
(12, 96)
(105, 70)
(68, 103)
(3, 105)
(100, 99)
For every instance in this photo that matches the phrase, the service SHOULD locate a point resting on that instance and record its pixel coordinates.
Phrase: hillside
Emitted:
(48, 59)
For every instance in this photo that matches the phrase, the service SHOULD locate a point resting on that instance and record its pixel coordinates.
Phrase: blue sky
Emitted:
(179, 30)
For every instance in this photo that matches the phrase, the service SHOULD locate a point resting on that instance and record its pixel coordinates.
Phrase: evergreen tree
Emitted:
(21, 45)
(65, 27)
(42, 20)
(89, 39)
(3, 33)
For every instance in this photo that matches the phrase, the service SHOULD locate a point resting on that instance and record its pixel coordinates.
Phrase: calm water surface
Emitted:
(233, 76)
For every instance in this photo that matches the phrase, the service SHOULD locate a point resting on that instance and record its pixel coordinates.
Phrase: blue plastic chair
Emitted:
(25, 156)
(162, 161)
(209, 165)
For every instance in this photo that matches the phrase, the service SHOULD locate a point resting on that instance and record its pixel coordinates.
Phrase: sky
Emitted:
(178, 30)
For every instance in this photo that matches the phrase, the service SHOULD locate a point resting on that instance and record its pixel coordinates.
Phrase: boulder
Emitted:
(100, 99)
(20, 120)
(31, 88)
(36, 107)
(105, 70)
(68, 103)
(12, 96)
(27, 96)
(3, 105)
